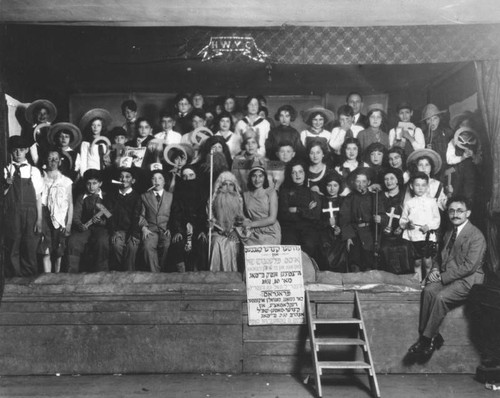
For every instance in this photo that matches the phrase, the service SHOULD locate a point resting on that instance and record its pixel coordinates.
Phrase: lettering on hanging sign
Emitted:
(220, 45)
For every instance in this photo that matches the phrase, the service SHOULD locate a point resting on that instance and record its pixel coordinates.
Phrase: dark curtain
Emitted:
(4, 136)
(488, 83)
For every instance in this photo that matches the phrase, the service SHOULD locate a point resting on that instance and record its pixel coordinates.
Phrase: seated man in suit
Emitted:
(449, 284)
(154, 220)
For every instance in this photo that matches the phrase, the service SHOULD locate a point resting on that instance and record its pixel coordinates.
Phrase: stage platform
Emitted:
(129, 323)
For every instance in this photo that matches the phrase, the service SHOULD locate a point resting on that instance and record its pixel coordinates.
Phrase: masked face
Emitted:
(53, 161)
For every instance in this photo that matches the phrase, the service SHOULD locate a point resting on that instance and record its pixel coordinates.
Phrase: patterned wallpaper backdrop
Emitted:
(360, 45)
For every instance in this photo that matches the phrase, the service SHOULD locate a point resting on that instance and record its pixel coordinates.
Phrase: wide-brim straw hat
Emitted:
(100, 113)
(199, 135)
(429, 111)
(466, 138)
(76, 134)
(40, 103)
(327, 114)
(186, 149)
(433, 155)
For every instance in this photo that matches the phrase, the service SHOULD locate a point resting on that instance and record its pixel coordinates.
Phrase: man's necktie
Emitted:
(17, 172)
(158, 198)
(451, 242)
(349, 134)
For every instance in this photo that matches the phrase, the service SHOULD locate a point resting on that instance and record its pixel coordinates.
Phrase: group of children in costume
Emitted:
(354, 196)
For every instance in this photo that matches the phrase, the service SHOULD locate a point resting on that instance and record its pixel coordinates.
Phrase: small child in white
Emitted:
(420, 220)
(57, 211)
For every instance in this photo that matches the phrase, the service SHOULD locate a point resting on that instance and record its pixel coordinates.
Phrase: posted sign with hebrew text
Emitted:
(275, 285)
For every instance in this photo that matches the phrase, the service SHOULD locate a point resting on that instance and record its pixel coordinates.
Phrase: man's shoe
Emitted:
(435, 344)
(419, 346)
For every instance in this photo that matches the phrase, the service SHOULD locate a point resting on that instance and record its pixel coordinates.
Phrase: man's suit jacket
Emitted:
(465, 260)
(155, 216)
(363, 121)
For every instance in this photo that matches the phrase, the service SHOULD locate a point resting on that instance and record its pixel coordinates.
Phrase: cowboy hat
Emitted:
(429, 111)
(184, 148)
(40, 103)
(75, 134)
(327, 114)
(96, 113)
(433, 155)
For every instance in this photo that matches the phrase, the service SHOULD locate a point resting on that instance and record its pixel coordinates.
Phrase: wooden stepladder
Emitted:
(316, 299)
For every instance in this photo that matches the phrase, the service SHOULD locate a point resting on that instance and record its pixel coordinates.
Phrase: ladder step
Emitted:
(343, 365)
(336, 320)
(338, 341)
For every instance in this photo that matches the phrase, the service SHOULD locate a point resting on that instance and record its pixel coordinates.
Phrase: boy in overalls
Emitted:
(22, 188)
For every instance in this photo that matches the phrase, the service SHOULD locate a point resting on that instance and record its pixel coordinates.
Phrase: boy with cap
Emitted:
(89, 224)
(406, 135)
(153, 220)
(22, 188)
(437, 135)
(125, 207)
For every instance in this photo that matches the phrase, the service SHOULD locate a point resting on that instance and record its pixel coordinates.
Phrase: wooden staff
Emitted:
(210, 215)
(376, 231)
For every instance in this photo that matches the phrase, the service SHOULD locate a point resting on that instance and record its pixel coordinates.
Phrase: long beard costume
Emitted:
(227, 208)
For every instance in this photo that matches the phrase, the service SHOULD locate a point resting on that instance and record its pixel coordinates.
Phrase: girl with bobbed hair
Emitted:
(396, 256)
(299, 211)
(396, 158)
(261, 210)
(350, 160)
(376, 131)
(317, 151)
(284, 133)
(225, 127)
(256, 122)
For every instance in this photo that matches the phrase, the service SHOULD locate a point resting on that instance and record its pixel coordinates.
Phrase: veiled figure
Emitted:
(227, 215)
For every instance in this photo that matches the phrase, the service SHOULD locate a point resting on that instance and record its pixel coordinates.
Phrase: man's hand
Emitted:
(349, 244)
(292, 209)
(38, 227)
(377, 218)
(312, 205)
(203, 237)
(146, 233)
(434, 276)
(177, 237)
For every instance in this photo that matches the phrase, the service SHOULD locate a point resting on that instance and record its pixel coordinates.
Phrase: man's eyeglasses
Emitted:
(458, 212)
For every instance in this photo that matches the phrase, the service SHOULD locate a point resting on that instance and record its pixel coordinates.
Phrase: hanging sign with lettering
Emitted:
(275, 285)
(230, 44)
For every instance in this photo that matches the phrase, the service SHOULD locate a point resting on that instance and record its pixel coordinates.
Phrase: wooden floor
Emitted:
(238, 386)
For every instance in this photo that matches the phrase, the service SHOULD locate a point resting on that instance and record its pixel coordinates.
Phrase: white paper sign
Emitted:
(275, 285)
